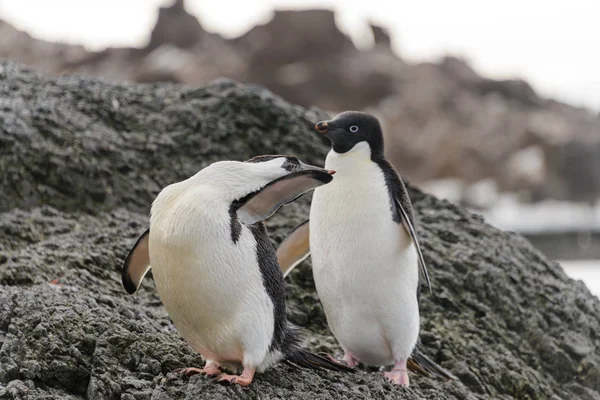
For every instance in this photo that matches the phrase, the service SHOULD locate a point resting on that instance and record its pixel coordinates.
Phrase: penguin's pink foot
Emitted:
(244, 379)
(349, 359)
(398, 375)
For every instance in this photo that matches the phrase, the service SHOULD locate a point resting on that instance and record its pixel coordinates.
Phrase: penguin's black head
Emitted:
(352, 127)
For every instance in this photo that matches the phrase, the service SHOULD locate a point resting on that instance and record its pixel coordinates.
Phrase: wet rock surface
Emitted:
(80, 161)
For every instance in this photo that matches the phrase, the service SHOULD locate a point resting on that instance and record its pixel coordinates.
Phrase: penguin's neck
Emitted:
(352, 162)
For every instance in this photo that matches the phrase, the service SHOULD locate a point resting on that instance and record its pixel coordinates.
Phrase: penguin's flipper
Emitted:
(136, 264)
(260, 205)
(294, 249)
(408, 226)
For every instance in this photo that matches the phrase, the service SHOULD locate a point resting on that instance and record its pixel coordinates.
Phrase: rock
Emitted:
(188, 31)
(123, 129)
(516, 89)
(381, 37)
(81, 162)
(445, 121)
(46, 56)
(289, 56)
(179, 50)
(312, 71)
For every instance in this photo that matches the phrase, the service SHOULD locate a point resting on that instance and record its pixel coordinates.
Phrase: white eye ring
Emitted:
(354, 128)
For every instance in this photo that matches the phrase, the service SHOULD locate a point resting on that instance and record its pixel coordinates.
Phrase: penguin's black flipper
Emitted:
(305, 359)
(294, 249)
(260, 205)
(402, 211)
(419, 363)
(407, 222)
(136, 264)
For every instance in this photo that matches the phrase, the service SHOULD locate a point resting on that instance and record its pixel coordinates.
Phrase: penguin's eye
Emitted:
(354, 128)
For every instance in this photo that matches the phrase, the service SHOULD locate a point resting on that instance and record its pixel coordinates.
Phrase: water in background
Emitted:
(586, 270)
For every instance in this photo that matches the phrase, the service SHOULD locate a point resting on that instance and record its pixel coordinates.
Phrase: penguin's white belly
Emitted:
(213, 291)
(365, 266)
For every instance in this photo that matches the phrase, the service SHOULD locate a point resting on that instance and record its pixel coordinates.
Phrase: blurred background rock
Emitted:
(528, 163)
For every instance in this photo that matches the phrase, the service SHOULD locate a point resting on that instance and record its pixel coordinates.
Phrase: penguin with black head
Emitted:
(367, 262)
(215, 269)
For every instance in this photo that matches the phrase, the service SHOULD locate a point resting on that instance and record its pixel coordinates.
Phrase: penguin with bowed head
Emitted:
(365, 252)
(216, 271)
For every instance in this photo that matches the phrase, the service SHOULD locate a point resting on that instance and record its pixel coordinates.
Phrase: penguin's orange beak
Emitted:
(322, 127)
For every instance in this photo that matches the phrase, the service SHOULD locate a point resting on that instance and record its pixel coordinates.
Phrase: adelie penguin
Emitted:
(365, 252)
(216, 271)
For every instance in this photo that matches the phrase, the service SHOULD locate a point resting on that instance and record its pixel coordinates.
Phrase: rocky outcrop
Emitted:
(303, 57)
(482, 125)
(188, 32)
(445, 121)
(110, 142)
(46, 56)
(81, 160)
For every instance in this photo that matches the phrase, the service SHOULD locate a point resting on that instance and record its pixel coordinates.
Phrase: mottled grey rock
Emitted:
(83, 144)
(81, 160)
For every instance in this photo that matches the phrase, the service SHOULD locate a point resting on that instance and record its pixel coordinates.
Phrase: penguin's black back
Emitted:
(273, 282)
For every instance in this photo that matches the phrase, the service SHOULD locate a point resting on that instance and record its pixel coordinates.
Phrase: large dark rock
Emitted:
(303, 56)
(188, 31)
(81, 160)
(83, 144)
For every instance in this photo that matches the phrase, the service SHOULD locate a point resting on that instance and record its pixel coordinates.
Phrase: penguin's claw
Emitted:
(233, 380)
(189, 371)
(399, 374)
(350, 360)
(397, 377)
(209, 370)
(245, 379)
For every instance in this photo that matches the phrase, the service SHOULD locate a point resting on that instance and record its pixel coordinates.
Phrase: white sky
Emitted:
(554, 44)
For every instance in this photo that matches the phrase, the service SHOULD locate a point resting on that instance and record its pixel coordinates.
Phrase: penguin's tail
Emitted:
(419, 363)
(305, 359)
(296, 356)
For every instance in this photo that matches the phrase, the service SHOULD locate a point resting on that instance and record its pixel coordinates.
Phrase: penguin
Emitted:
(215, 269)
(367, 263)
